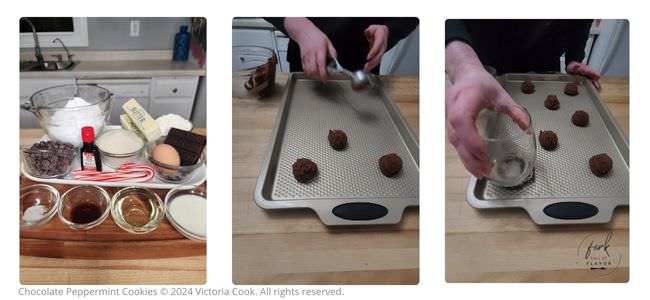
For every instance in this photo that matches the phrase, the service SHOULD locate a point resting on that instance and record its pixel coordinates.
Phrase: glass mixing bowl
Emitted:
(253, 71)
(168, 173)
(63, 110)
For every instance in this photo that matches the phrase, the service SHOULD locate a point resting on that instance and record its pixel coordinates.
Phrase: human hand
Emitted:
(470, 93)
(315, 46)
(472, 89)
(377, 36)
(576, 68)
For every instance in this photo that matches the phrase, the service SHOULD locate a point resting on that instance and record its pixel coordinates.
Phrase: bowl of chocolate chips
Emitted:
(48, 159)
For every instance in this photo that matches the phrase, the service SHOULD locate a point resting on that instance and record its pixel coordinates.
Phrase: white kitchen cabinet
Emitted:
(262, 37)
(30, 86)
(158, 95)
(27, 119)
(123, 90)
(165, 87)
(179, 106)
(173, 95)
(282, 42)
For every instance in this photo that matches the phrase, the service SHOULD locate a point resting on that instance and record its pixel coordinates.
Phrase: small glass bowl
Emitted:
(38, 194)
(83, 202)
(116, 160)
(171, 197)
(168, 173)
(33, 171)
(137, 210)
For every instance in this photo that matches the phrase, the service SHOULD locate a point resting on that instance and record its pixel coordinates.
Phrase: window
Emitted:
(72, 31)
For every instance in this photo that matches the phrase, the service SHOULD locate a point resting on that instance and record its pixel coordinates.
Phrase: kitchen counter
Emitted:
(252, 23)
(293, 246)
(123, 69)
(105, 254)
(506, 246)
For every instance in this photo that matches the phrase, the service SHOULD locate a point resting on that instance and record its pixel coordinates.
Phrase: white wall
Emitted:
(113, 34)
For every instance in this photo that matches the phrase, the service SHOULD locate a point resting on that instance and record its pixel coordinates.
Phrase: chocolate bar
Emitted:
(188, 144)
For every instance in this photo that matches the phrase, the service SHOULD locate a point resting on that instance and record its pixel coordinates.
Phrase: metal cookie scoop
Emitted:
(359, 79)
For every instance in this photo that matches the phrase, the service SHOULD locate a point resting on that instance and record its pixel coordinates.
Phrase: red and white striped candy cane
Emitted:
(131, 172)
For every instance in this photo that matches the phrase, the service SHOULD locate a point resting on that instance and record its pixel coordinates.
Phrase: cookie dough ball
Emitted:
(600, 164)
(338, 139)
(390, 164)
(304, 170)
(571, 89)
(527, 87)
(548, 140)
(551, 102)
(580, 118)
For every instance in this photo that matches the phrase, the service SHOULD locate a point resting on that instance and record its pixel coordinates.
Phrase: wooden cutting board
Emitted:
(106, 241)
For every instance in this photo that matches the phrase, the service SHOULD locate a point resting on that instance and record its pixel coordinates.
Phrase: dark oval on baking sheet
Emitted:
(570, 210)
(360, 211)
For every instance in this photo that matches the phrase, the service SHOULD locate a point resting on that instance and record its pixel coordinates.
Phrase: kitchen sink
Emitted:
(46, 65)
(34, 66)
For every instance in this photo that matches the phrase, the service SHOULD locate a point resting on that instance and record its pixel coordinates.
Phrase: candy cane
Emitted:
(131, 172)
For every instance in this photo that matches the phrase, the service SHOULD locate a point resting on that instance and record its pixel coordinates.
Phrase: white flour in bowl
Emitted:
(166, 122)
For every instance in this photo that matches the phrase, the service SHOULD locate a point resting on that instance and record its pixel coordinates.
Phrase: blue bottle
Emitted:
(181, 44)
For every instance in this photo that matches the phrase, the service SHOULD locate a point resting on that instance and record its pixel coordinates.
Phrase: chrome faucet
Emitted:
(37, 46)
(64, 47)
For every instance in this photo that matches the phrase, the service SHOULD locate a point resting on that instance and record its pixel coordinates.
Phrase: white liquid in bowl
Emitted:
(189, 212)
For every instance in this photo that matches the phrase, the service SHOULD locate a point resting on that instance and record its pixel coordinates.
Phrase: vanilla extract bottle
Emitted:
(90, 158)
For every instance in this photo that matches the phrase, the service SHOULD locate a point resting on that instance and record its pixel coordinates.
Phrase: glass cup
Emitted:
(511, 149)
(84, 207)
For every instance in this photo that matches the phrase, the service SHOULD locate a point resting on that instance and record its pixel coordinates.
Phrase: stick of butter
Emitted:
(142, 120)
(127, 123)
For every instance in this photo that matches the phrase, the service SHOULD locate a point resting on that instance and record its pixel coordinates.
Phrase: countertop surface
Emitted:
(252, 23)
(54, 254)
(506, 246)
(293, 246)
(122, 69)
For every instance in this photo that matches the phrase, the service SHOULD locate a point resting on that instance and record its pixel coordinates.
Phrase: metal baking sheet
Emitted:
(563, 175)
(374, 127)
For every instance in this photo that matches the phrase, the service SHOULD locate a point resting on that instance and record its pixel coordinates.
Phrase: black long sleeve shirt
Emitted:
(522, 45)
(347, 36)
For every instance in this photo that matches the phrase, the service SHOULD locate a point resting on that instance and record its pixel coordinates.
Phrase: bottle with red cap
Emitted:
(90, 159)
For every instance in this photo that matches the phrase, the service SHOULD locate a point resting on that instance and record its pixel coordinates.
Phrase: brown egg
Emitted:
(167, 155)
